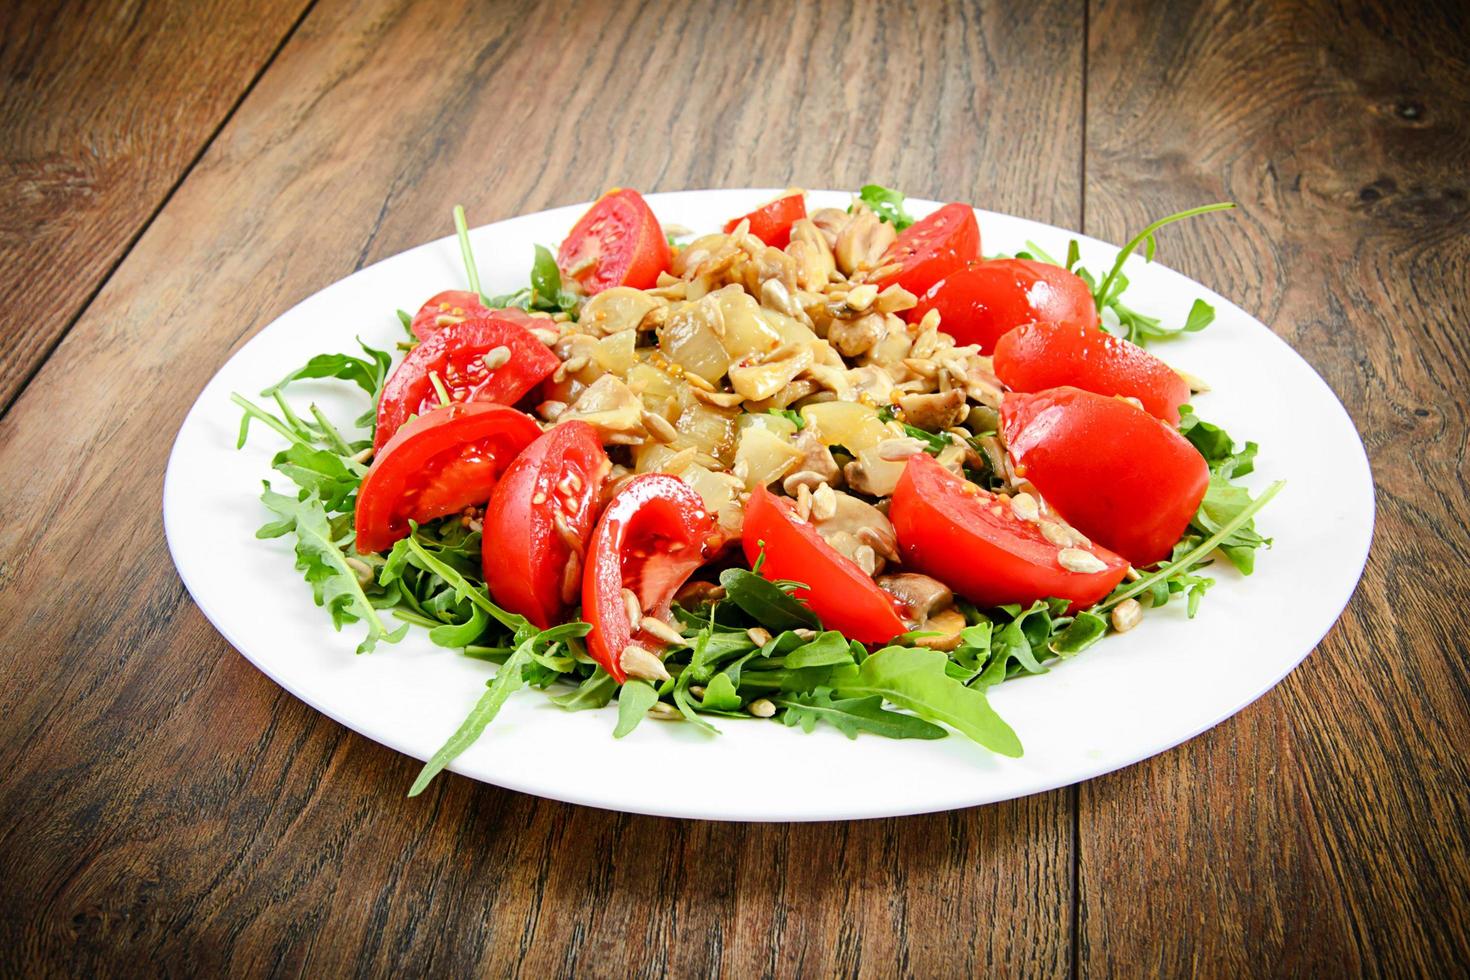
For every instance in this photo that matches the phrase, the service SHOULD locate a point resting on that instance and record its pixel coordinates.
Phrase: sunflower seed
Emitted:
(495, 357)
(631, 607)
(661, 630)
(759, 636)
(642, 664)
(659, 427)
(761, 708)
(1126, 615)
(1077, 560)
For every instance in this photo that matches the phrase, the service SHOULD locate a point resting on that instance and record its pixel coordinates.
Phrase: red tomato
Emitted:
(985, 300)
(1116, 473)
(618, 242)
(843, 596)
(456, 353)
(442, 309)
(538, 521)
(973, 542)
(650, 539)
(438, 464)
(933, 247)
(772, 223)
(1037, 356)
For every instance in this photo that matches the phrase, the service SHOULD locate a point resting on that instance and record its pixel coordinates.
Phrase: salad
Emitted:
(828, 468)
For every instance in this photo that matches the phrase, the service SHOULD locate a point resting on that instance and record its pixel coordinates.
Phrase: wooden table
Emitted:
(178, 174)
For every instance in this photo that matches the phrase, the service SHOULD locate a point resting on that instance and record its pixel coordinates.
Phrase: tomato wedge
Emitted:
(539, 519)
(438, 464)
(650, 539)
(456, 355)
(442, 309)
(843, 596)
(771, 223)
(983, 301)
(975, 543)
(618, 242)
(1116, 473)
(931, 248)
(1037, 356)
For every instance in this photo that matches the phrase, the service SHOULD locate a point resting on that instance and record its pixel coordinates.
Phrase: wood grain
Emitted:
(161, 802)
(103, 107)
(1325, 830)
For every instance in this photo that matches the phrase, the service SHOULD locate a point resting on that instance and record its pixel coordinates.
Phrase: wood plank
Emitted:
(103, 107)
(159, 798)
(1324, 831)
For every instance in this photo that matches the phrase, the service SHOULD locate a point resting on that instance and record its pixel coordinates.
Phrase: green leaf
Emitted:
(463, 589)
(886, 204)
(1184, 563)
(368, 374)
(507, 680)
(719, 694)
(853, 715)
(333, 582)
(457, 635)
(1085, 630)
(914, 678)
(634, 700)
(766, 602)
(322, 472)
(594, 692)
(1145, 238)
(829, 649)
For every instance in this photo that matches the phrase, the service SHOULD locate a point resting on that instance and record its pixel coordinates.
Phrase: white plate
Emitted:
(1127, 698)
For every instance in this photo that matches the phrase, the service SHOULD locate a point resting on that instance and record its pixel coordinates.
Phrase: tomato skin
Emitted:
(650, 539)
(442, 309)
(1037, 356)
(1116, 473)
(438, 464)
(526, 557)
(985, 300)
(931, 248)
(771, 223)
(843, 596)
(626, 241)
(455, 353)
(947, 528)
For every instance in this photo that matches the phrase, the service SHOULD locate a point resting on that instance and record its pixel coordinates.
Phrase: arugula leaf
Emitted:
(829, 649)
(418, 555)
(915, 678)
(594, 692)
(720, 695)
(368, 374)
(333, 581)
(634, 700)
(322, 472)
(853, 715)
(1107, 290)
(766, 602)
(886, 204)
(1184, 563)
(1085, 630)
(455, 635)
(507, 680)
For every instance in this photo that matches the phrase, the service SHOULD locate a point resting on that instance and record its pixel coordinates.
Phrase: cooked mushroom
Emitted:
(610, 406)
(921, 595)
(816, 465)
(856, 336)
(934, 411)
(856, 529)
(948, 623)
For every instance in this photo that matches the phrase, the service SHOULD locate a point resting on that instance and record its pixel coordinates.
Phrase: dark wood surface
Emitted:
(163, 806)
